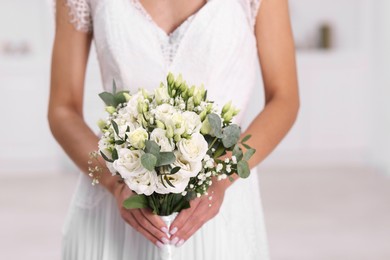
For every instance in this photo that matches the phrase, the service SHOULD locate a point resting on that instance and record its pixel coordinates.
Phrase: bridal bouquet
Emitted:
(168, 145)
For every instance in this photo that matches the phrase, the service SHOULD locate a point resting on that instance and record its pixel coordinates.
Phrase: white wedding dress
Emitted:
(216, 46)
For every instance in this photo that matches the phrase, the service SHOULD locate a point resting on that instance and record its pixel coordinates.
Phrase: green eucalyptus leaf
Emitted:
(166, 158)
(105, 157)
(246, 138)
(175, 170)
(215, 123)
(119, 142)
(120, 98)
(148, 161)
(237, 152)
(152, 147)
(115, 155)
(246, 146)
(243, 169)
(249, 153)
(231, 135)
(108, 99)
(136, 202)
(115, 126)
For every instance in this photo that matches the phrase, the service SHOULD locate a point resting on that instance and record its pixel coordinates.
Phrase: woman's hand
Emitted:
(202, 210)
(142, 220)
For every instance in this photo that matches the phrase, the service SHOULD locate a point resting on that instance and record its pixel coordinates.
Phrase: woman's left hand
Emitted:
(202, 210)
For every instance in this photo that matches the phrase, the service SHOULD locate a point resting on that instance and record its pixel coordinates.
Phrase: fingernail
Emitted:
(165, 240)
(181, 242)
(159, 244)
(174, 241)
(164, 229)
(173, 231)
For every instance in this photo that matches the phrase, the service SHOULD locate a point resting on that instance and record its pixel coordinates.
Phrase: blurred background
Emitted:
(325, 190)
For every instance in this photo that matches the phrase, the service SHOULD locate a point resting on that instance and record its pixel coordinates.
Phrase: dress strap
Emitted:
(251, 8)
(80, 13)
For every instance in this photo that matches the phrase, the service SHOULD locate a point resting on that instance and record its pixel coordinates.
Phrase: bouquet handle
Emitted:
(166, 252)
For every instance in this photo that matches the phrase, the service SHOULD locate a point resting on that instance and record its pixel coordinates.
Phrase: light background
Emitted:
(341, 135)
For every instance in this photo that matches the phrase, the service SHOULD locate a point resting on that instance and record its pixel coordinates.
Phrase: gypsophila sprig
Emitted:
(169, 144)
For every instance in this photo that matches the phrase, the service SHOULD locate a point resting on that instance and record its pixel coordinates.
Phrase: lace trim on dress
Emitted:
(80, 14)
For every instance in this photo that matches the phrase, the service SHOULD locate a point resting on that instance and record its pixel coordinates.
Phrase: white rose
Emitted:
(164, 112)
(159, 136)
(178, 181)
(187, 169)
(192, 122)
(138, 137)
(129, 163)
(194, 149)
(144, 183)
(161, 94)
(123, 116)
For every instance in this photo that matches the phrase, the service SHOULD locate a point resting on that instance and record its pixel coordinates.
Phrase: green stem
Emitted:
(212, 143)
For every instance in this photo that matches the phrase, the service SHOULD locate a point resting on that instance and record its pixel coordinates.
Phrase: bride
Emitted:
(220, 43)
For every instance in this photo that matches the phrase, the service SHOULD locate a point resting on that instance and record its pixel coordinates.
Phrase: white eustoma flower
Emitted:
(192, 122)
(178, 181)
(129, 163)
(176, 121)
(193, 149)
(138, 137)
(158, 135)
(144, 183)
(132, 105)
(187, 169)
(164, 112)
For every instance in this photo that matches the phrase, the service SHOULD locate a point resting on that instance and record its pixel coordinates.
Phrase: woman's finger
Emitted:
(155, 220)
(148, 227)
(183, 217)
(129, 218)
(186, 234)
(197, 219)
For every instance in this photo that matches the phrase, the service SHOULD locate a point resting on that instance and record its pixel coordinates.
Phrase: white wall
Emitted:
(381, 87)
(335, 85)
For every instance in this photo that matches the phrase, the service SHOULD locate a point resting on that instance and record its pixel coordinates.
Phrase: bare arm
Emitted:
(277, 57)
(69, 61)
(65, 115)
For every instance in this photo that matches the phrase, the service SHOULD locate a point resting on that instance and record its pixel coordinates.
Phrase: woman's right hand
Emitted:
(142, 220)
